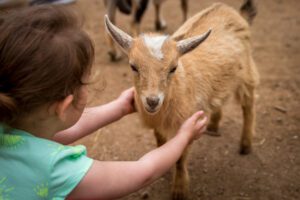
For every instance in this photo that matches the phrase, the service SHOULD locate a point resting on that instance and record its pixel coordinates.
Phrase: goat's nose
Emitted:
(152, 101)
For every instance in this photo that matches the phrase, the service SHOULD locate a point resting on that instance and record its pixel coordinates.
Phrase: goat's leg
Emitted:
(160, 23)
(180, 190)
(111, 11)
(213, 126)
(184, 7)
(139, 9)
(248, 108)
(135, 25)
(248, 10)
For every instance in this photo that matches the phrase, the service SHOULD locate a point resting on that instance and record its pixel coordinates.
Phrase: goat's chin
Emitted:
(150, 111)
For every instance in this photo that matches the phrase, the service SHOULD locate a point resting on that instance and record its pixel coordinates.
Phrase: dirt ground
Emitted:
(218, 172)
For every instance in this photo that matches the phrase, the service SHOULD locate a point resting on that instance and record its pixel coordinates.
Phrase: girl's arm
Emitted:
(110, 180)
(96, 117)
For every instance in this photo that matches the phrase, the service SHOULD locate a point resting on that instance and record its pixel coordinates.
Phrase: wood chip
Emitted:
(280, 109)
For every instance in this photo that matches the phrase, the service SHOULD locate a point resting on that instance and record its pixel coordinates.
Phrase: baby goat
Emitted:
(174, 76)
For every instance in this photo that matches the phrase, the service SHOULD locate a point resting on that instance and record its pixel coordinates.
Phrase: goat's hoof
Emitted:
(179, 195)
(212, 130)
(244, 150)
(114, 57)
(179, 192)
(160, 25)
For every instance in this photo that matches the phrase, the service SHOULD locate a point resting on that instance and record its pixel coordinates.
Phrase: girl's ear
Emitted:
(62, 107)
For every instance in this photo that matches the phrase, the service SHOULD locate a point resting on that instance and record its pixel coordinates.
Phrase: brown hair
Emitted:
(44, 55)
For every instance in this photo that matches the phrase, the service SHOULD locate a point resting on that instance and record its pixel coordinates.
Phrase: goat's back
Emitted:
(219, 17)
(211, 72)
(224, 61)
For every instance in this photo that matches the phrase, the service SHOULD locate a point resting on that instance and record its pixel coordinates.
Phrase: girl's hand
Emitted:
(126, 101)
(193, 126)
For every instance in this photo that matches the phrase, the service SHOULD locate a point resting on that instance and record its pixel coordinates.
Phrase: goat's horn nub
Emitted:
(189, 44)
(120, 37)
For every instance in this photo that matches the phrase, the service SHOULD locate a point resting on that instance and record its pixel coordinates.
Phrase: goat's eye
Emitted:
(173, 70)
(134, 68)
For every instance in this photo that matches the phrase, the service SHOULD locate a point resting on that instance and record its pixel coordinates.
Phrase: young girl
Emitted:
(45, 63)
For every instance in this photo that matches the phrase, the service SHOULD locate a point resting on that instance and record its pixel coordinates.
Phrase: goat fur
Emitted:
(205, 78)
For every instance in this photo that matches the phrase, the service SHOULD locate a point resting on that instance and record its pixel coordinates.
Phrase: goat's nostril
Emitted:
(152, 101)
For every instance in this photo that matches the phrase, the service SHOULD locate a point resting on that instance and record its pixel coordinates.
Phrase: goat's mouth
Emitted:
(152, 103)
(150, 110)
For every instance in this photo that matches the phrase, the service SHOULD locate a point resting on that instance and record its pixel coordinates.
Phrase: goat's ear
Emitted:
(119, 36)
(186, 45)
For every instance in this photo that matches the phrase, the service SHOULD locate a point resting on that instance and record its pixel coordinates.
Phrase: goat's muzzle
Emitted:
(152, 103)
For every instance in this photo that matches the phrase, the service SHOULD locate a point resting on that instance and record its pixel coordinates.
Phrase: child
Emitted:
(45, 64)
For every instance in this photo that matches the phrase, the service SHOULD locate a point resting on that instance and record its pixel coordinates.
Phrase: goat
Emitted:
(160, 23)
(174, 76)
(137, 8)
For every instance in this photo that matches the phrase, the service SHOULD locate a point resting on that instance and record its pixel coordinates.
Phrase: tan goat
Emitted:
(174, 77)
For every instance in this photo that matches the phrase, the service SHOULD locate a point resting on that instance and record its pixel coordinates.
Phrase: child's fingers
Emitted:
(191, 123)
(200, 132)
(199, 128)
(128, 96)
(201, 123)
(130, 90)
(196, 116)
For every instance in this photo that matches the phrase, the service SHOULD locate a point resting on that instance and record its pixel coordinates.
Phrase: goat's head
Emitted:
(153, 59)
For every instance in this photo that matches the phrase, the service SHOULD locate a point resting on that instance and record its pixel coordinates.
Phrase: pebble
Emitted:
(279, 139)
(226, 152)
(265, 112)
(295, 137)
(145, 195)
(279, 120)
(220, 191)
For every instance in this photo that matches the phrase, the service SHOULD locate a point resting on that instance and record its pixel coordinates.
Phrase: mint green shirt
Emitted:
(35, 168)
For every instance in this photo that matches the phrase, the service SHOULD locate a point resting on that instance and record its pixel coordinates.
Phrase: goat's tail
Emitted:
(248, 10)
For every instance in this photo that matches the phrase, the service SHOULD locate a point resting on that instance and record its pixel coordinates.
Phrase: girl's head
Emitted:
(44, 57)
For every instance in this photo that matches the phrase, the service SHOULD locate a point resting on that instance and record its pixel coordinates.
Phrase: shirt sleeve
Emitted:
(69, 166)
